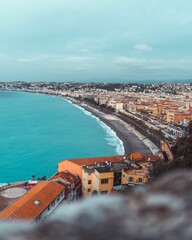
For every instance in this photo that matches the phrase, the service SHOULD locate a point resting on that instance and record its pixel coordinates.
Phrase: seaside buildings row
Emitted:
(169, 114)
(76, 178)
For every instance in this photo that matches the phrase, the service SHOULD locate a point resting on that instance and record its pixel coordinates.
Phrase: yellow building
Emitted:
(99, 180)
(170, 117)
(99, 175)
(137, 175)
(85, 168)
(133, 178)
(104, 180)
(88, 179)
(175, 117)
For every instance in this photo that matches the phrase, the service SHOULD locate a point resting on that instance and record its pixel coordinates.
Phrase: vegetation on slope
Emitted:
(182, 156)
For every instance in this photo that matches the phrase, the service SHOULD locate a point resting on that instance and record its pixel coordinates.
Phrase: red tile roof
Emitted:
(136, 155)
(89, 161)
(25, 208)
(66, 177)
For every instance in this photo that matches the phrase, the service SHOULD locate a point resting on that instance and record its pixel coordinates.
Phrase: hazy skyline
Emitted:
(103, 40)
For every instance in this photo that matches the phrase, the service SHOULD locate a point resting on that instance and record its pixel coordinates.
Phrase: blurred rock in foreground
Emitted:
(161, 210)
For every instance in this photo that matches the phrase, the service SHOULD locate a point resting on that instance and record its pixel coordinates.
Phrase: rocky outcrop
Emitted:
(161, 210)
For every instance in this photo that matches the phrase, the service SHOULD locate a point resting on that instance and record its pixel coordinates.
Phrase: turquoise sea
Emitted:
(37, 131)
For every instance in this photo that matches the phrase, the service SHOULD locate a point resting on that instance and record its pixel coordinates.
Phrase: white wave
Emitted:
(67, 100)
(3, 184)
(112, 138)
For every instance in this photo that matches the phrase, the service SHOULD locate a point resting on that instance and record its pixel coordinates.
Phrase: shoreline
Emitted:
(120, 149)
(130, 141)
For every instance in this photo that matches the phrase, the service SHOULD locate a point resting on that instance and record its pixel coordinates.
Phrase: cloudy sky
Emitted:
(95, 40)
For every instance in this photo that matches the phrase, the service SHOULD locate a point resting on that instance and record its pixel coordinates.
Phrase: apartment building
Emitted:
(74, 166)
(175, 117)
(97, 179)
(117, 105)
(100, 175)
(138, 174)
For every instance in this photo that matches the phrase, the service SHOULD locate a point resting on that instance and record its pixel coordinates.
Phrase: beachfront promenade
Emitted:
(132, 139)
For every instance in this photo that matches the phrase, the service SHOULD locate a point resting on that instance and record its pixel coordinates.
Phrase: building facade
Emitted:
(36, 205)
(100, 175)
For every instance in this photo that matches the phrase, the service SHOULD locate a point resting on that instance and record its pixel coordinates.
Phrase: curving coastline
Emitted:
(131, 143)
(127, 143)
(112, 137)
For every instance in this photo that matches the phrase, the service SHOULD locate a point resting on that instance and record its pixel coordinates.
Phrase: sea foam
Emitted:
(111, 138)
(2, 184)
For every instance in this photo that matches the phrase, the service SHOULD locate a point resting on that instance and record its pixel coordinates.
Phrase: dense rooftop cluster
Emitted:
(76, 178)
(170, 88)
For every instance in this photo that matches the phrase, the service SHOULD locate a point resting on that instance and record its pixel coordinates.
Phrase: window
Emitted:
(48, 208)
(53, 203)
(104, 181)
(131, 179)
(140, 180)
(89, 190)
(89, 181)
(104, 192)
(124, 177)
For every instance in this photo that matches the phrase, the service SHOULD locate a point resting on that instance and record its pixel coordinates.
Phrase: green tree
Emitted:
(182, 156)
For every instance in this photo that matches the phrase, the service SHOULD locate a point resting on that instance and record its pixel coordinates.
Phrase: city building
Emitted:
(72, 184)
(36, 205)
(137, 174)
(155, 105)
(74, 166)
(98, 179)
(99, 175)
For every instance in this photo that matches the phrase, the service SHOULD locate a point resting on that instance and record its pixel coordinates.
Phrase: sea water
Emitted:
(37, 131)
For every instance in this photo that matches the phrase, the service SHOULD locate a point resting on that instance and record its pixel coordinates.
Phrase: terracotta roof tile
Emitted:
(25, 208)
(89, 161)
(67, 176)
(136, 155)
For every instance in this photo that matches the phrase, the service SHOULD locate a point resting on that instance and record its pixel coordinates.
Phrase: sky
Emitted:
(96, 40)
